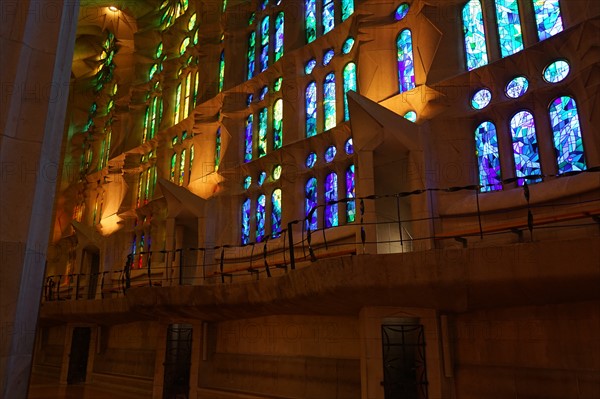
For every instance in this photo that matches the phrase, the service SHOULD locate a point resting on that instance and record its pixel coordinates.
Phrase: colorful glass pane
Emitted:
(350, 193)
(481, 99)
(276, 213)
(247, 182)
(260, 217)
(488, 158)
(525, 147)
(192, 22)
(349, 85)
(251, 55)
(411, 116)
(406, 69)
(329, 101)
(263, 93)
(262, 176)
(330, 153)
(181, 167)
(277, 172)
(474, 35)
(311, 159)
(556, 71)
(347, 46)
(310, 203)
(509, 27)
(218, 149)
(517, 87)
(401, 11)
(547, 18)
(310, 20)
(347, 9)
(177, 105)
(264, 43)
(310, 65)
(328, 15)
(221, 70)
(349, 146)
(248, 138)
(246, 212)
(184, 45)
(277, 84)
(172, 169)
(331, 195)
(249, 99)
(311, 109)
(278, 124)
(262, 133)
(279, 36)
(328, 56)
(567, 135)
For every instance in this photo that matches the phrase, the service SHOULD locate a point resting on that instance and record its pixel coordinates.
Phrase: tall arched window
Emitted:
(488, 158)
(566, 130)
(177, 105)
(276, 213)
(406, 69)
(246, 212)
(181, 167)
(311, 109)
(251, 55)
(248, 138)
(329, 101)
(172, 168)
(279, 36)
(474, 35)
(310, 20)
(525, 147)
(350, 193)
(347, 9)
(262, 133)
(187, 95)
(349, 84)
(547, 18)
(328, 15)
(277, 123)
(264, 44)
(217, 149)
(260, 217)
(152, 118)
(221, 70)
(331, 194)
(310, 203)
(191, 163)
(509, 27)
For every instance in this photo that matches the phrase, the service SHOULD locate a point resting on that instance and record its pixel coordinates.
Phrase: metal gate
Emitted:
(178, 359)
(404, 371)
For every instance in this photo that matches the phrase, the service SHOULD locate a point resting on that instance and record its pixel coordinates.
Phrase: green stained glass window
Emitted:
(264, 44)
(277, 84)
(311, 109)
(347, 9)
(192, 22)
(172, 168)
(184, 45)
(251, 56)
(347, 46)
(217, 149)
(182, 167)
(221, 70)
(262, 132)
(411, 116)
(349, 85)
(277, 172)
(279, 36)
(276, 213)
(329, 101)
(474, 35)
(310, 20)
(177, 105)
(509, 27)
(277, 124)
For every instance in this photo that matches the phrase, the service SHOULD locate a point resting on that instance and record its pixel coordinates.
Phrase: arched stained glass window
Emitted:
(260, 217)
(310, 20)
(138, 200)
(311, 109)
(406, 69)
(350, 193)
(181, 167)
(411, 116)
(218, 149)
(177, 105)
(264, 44)
(401, 11)
(328, 15)
(191, 163)
(547, 18)
(488, 158)
(276, 213)
(347, 46)
(347, 9)
(278, 124)
(246, 212)
(262, 133)
(221, 70)
(509, 27)
(525, 147)
(349, 84)
(310, 203)
(251, 54)
(196, 86)
(172, 168)
(329, 101)
(279, 36)
(474, 35)
(331, 195)
(566, 130)
(248, 138)
(187, 95)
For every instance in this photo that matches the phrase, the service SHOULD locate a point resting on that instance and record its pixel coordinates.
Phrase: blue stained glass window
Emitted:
(509, 27)
(279, 36)
(310, 20)
(247, 182)
(246, 212)
(262, 176)
(474, 35)
(567, 135)
(264, 43)
(310, 65)
(481, 99)
(310, 203)
(347, 46)
(401, 11)
(330, 153)
(311, 109)
(350, 193)
(411, 116)
(251, 54)
(328, 56)
(556, 71)
(349, 146)
(517, 87)
(249, 99)
(347, 9)
(525, 147)
(331, 194)
(276, 213)
(262, 133)
(278, 124)
(406, 69)
(328, 15)
(547, 18)
(329, 101)
(488, 158)
(311, 159)
(263, 4)
(349, 84)
(263, 93)
(260, 217)
(248, 138)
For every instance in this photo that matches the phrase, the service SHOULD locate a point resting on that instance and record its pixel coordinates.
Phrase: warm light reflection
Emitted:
(113, 8)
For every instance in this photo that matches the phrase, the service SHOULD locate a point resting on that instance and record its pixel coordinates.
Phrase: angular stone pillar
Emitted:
(37, 39)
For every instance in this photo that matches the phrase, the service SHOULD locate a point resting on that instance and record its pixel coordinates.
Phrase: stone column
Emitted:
(37, 39)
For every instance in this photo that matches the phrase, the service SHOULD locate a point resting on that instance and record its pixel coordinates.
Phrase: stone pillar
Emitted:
(37, 39)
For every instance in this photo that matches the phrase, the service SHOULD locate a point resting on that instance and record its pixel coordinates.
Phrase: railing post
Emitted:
(291, 243)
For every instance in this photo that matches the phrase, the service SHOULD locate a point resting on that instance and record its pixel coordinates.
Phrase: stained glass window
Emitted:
(196, 86)
(192, 22)
(218, 149)
(474, 35)
(401, 11)
(277, 172)
(181, 167)
(263, 4)
(547, 18)
(276, 213)
(328, 56)
(481, 98)
(177, 103)
(247, 182)
(249, 99)
(310, 203)
(140, 191)
(262, 133)
(187, 95)
(331, 195)
(347, 9)
(310, 65)
(262, 176)
(411, 116)
(260, 217)
(330, 153)
(251, 54)
(517, 87)
(349, 146)
(246, 212)
(328, 15)
(350, 193)
(525, 147)
(264, 44)
(263, 93)
(184, 45)
(311, 159)
(279, 36)
(310, 20)
(277, 84)
(191, 163)
(347, 46)
(172, 169)
(349, 85)
(248, 138)
(406, 69)
(488, 158)
(277, 124)
(329, 101)
(311, 109)
(509, 27)
(556, 71)
(221, 70)
(567, 135)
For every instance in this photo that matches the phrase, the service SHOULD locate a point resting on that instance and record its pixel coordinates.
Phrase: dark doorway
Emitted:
(90, 268)
(178, 359)
(404, 371)
(78, 358)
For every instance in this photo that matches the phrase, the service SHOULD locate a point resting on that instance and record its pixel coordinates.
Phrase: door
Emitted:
(93, 279)
(78, 358)
(178, 359)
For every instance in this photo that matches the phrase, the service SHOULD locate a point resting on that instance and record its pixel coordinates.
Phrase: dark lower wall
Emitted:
(48, 355)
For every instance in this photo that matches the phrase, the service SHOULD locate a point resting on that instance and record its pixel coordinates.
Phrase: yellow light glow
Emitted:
(113, 8)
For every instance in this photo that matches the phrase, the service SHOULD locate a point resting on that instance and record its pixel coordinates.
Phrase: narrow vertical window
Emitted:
(246, 212)
(187, 95)
(279, 36)
(264, 44)
(251, 54)
(331, 195)
(488, 158)
(547, 18)
(140, 191)
(566, 130)
(262, 133)
(196, 86)
(191, 163)
(329, 101)
(350, 193)
(278, 124)
(145, 128)
(349, 85)
(406, 69)
(248, 138)
(328, 15)
(310, 203)
(311, 109)
(172, 168)
(176, 105)
(146, 186)
(347, 9)
(310, 20)
(260, 217)
(276, 213)
(474, 35)
(218, 149)
(509, 27)
(221, 70)
(182, 167)
(525, 147)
